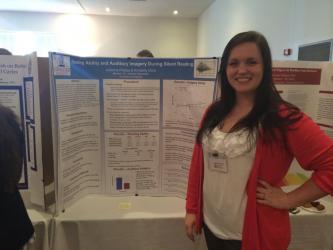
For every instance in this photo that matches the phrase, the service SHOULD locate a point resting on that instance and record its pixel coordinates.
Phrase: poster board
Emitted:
(309, 86)
(126, 126)
(19, 90)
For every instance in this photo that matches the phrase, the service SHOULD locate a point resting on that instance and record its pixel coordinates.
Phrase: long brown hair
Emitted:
(267, 102)
(11, 150)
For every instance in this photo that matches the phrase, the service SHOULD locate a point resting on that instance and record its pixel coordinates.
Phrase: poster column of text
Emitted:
(184, 102)
(325, 104)
(78, 104)
(131, 123)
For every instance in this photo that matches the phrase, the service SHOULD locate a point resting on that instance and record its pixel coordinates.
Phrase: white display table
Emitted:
(42, 224)
(313, 231)
(123, 223)
(157, 223)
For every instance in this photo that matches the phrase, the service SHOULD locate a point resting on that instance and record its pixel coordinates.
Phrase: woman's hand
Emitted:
(190, 225)
(272, 196)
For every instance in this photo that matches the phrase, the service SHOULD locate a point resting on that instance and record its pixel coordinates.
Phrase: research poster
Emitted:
(308, 85)
(126, 126)
(19, 90)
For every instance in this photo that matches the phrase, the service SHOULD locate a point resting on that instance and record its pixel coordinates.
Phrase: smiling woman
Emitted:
(245, 68)
(243, 150)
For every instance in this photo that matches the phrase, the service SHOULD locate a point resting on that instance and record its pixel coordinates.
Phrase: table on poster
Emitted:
(157, 223)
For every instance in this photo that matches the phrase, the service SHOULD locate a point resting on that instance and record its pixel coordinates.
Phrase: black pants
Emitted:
(214, 243)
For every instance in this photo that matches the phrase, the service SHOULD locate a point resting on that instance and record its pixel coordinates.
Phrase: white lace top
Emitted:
(231, 144)
(228, 159)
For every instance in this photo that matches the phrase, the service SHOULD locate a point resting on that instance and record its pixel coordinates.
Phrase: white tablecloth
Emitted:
(157, 223)
(42, 225)
(311, 231)
(123, 223)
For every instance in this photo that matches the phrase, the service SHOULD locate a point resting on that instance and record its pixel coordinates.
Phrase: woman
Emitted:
(244, 147)
(15, 226)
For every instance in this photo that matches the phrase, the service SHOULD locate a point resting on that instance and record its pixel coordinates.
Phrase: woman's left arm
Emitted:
(313, 149)
(276, 197)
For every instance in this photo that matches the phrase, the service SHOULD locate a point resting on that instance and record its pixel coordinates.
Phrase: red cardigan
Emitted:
(265, 227)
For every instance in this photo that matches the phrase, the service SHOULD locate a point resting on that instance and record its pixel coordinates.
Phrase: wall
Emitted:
(285, 23)
(312, 22)
(225, 18)
(91, 35)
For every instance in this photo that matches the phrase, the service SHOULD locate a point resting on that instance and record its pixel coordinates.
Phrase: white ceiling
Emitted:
(152, 8)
